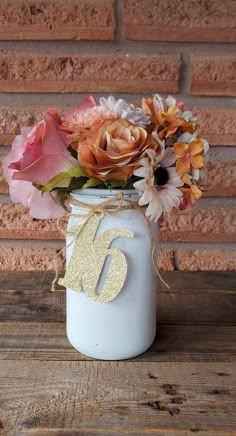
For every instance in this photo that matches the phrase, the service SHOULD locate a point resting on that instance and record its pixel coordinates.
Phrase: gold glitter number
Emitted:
(88, 259)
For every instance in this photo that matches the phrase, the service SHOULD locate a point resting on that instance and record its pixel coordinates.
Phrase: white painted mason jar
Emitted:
(125, 326)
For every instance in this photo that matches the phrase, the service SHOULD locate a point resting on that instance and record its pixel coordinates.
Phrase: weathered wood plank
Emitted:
(211, 280)
(110, 432)
(32, 305)
(185, 306)
(48, 341)
(118, 397)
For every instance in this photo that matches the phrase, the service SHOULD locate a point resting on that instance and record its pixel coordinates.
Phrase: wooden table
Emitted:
(184, 385)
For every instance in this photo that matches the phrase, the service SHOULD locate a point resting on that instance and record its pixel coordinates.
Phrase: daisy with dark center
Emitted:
(159, 183)
(161, 176)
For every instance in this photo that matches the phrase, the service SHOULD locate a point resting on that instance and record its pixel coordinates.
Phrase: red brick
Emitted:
(213, 74)
(203, 224)
(57, 19)
(42, 259)
(218, 125)
(199, 225)
(30, 259)
(207, 260)
(179, 20)
(16, 223)
(12, 118)
(220, 179)
(165, 260)
(35, 259)
(36, 72)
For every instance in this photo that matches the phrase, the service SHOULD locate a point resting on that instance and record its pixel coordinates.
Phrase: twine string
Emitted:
(107, 207)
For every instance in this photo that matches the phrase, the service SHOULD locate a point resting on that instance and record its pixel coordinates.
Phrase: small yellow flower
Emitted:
(189, 155)
(194, 192)
(168, 120)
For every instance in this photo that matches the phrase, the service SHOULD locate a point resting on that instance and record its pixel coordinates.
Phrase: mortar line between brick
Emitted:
(176, 260)
(133, 46)
(185, 75)
(175, 245)
(118, 19)
(69, 100)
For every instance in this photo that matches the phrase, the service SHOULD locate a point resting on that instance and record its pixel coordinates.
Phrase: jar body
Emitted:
(125, 326)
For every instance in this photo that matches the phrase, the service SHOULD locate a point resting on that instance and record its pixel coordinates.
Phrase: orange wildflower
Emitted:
(189, 155)
(194, 192)
(168, 120)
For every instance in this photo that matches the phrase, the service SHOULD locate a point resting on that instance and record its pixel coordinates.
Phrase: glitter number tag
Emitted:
(88, 258)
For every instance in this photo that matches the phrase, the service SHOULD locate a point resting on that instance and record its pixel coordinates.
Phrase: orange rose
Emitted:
(110, 152)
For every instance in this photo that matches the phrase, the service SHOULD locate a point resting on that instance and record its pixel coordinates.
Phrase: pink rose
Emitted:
(84, 116)
(37, 155)
(87, 103)
(44, 154)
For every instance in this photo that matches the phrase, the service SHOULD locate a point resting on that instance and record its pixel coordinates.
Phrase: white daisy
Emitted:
(125, 111)
(160, 183)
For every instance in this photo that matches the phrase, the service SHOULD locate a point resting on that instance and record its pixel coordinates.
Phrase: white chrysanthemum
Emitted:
(170, 101)
(125, 111)
(160, 183)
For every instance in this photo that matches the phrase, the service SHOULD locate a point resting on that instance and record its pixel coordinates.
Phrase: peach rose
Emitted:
(111, 151)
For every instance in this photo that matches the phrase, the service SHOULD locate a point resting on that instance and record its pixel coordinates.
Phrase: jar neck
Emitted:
(98, 196)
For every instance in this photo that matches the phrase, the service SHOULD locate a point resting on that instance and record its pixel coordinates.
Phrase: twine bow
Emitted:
(107, 207)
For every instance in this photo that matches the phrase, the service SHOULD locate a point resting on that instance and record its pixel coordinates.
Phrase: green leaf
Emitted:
(91, 182)
(56, 180)
(160, 128)
(76, 183)
(63, 197)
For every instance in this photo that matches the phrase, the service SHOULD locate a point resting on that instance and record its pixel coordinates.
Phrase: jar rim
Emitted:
(103, 193)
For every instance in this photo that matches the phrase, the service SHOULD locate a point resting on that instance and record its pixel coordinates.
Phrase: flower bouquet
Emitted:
(115, 166)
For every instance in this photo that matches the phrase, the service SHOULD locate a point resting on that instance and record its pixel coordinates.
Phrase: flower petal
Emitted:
(183, 166)
(54, 139)
(44, 206)
(144, 172)
(196, 192)
(195, 147)
(87, 103)
(45, 169)
(197, 161)
(180, 149)
(140, 185)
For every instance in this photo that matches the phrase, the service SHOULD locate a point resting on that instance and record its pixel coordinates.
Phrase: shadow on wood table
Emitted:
(183, 385)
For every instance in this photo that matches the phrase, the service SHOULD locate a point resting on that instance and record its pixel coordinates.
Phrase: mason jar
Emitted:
(117, 319)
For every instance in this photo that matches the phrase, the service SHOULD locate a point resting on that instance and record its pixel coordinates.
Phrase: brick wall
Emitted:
(54, 51)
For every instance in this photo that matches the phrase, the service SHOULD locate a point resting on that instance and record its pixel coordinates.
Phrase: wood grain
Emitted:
(117, 432)
(26, 298)
(173, 343)
(211, 280)
(112, 396)
(187, 306)
(184, 384)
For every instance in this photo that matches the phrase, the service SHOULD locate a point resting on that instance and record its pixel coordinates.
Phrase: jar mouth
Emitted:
(104, 193)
